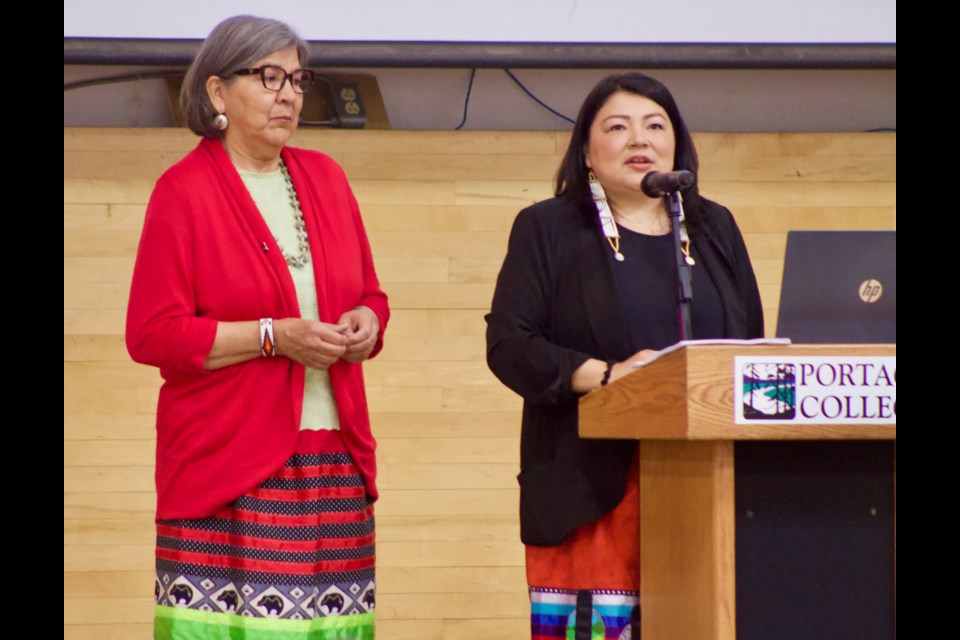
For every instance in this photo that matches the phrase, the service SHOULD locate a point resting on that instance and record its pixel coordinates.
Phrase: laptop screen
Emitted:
(839, 287)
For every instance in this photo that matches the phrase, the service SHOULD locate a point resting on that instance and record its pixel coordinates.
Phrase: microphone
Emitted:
(657, 185)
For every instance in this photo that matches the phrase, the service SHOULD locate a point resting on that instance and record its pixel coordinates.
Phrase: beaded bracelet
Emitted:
(606, 374)
(268, 347)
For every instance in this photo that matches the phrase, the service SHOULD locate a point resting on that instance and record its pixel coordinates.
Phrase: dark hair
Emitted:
(571, 181)
(235, 43)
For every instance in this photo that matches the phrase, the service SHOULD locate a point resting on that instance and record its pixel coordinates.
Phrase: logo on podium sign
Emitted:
(769, 391)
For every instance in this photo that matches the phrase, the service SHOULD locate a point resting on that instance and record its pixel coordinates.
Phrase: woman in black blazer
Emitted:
(587, 287)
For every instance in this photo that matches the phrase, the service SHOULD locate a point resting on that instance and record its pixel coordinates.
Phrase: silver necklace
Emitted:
(298, 261)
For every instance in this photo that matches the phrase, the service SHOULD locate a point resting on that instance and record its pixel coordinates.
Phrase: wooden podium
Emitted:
(681, 408)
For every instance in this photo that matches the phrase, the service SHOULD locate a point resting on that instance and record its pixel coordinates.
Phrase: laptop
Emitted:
(839, 287)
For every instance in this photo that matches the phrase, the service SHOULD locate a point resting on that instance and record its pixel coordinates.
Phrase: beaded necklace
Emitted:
(301, 260)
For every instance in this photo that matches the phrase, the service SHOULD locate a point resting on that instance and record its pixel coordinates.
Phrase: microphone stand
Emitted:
(684, 274)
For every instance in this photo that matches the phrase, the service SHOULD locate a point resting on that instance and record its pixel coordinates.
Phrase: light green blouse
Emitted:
(269, 192)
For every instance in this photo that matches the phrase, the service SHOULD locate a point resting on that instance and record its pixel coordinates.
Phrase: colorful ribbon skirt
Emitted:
(588, 587)
(293, 559)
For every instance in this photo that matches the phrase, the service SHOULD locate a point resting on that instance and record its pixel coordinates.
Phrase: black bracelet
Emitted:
(606, 374)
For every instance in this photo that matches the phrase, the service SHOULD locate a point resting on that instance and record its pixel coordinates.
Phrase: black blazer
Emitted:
(555, 307)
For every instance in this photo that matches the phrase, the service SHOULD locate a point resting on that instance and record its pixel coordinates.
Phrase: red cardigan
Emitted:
(207, 255)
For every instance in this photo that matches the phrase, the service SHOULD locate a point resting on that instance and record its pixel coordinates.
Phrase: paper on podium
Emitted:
(688, 343)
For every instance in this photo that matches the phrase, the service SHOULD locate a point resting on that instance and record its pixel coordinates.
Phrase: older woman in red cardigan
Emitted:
(255, 294)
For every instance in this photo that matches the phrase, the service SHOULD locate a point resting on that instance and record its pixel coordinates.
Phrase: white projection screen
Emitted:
(505, 21)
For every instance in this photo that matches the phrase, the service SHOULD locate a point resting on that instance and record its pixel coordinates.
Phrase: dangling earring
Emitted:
(607, 223)
(220, 122)
(684, 236)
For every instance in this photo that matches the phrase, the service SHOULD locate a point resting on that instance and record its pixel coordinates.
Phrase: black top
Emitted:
(556, 306)
(646, 285)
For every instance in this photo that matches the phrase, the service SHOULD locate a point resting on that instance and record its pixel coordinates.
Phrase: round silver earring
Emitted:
(220, 122)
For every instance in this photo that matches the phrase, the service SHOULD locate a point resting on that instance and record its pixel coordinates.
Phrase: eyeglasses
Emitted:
(274, 77)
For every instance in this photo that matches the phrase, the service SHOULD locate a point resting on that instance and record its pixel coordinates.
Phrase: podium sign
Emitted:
(815, 389)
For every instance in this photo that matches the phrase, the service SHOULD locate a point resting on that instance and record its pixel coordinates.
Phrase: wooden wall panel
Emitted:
(438, 208)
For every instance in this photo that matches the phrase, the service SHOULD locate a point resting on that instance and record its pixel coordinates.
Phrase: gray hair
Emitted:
(235, 43)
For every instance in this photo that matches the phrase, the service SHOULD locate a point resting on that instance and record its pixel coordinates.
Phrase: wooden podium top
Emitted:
(689, 395)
